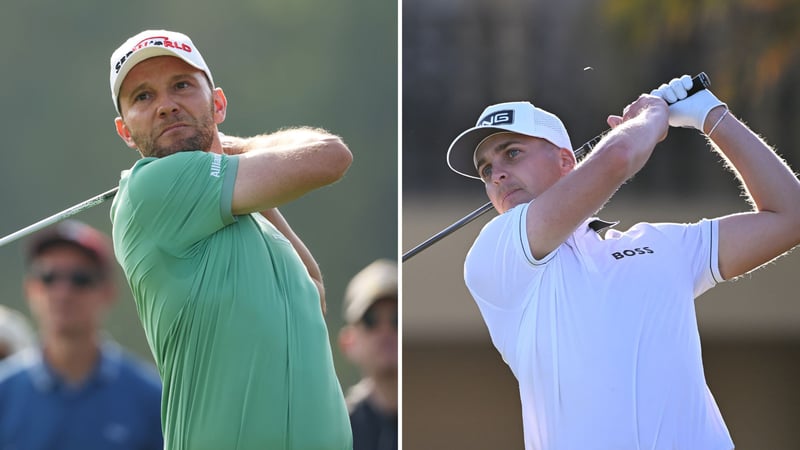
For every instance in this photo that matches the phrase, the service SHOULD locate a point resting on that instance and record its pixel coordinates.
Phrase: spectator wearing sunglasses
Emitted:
(76, 389)
(369, 340)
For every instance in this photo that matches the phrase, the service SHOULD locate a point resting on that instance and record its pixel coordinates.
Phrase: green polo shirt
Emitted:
(230, 313)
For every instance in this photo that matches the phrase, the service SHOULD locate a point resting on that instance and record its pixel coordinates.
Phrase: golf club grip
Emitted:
(699, 83)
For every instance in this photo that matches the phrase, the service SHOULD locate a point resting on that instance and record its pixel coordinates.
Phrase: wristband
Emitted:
(718, 122)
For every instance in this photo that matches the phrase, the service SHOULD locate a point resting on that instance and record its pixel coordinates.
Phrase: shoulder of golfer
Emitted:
(772, 227)
(279, 167)
(555, 214)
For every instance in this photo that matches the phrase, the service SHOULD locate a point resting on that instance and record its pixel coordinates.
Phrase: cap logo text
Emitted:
(160, 41)
(504, 117)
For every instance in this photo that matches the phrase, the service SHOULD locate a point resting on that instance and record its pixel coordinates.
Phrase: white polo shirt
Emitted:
(601, 334)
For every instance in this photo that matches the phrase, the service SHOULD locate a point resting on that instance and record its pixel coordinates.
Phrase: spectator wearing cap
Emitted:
(15, 332)
(369, 340)
(75, 390)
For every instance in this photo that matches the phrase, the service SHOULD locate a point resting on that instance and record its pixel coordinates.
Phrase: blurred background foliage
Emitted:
(281, 63)
(584, 60)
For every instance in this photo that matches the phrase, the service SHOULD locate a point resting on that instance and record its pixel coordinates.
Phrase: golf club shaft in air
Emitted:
(69, 212)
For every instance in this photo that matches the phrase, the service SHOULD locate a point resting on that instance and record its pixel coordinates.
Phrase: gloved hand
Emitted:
(686, 112)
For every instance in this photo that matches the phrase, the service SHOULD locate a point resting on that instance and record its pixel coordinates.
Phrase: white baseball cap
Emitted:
(516, 117)
(148, 44)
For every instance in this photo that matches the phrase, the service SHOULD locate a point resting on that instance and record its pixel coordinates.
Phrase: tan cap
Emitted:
(376, 281)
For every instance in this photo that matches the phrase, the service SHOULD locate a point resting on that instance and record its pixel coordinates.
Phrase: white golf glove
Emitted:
(686, 112)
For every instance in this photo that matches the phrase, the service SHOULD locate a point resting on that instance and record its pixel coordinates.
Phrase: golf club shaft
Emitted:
(436, 237)
(69, 212)
(699, 82)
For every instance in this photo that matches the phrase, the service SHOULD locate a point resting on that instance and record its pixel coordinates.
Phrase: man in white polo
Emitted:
(600, 329)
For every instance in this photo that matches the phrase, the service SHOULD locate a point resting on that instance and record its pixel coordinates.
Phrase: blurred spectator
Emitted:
(369, 340)
(15, 332)
(76, 390)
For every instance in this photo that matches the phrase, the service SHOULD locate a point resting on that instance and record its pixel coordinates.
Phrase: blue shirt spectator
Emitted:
(115, 408)
(76, 390)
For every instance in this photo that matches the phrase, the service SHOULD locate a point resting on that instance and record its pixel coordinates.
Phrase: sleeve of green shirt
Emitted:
(186, 196)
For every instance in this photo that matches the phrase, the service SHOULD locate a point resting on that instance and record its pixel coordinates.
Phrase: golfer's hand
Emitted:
(231, 145)
(651, 108)
(686, 111)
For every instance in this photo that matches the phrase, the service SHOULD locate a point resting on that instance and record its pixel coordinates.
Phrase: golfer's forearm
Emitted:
(296, 152)
(269, 177)
(767, 179)
(558, 211)
(280, 140)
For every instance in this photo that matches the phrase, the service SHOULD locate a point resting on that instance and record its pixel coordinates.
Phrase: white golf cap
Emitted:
(148, 44)
(515, 117)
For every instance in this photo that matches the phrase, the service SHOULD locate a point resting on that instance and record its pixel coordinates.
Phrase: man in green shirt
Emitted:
(230, 298)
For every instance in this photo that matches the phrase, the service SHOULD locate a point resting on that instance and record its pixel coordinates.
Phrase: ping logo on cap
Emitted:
(502, 117)
(161, 41)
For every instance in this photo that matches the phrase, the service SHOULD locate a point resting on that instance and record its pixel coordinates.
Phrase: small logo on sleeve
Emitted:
(216, 166)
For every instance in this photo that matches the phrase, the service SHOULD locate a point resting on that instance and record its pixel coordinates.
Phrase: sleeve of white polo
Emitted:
(698, 243)
(709, 256)
(499, 265)
(525, 245)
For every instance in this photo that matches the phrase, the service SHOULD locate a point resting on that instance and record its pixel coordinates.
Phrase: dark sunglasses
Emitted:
(371, 320)
(76, 278)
